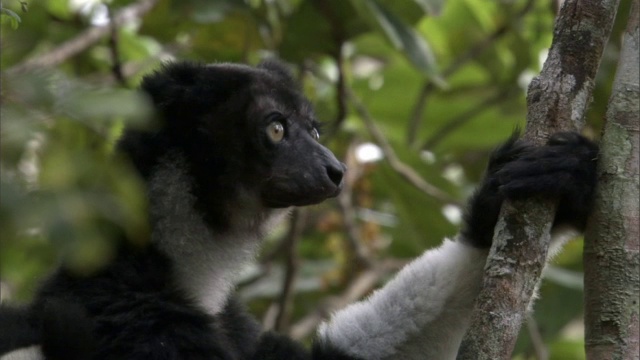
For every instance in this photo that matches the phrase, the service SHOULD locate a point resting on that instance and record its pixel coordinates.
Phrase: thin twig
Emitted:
(116, 67)
(536, 339)
(292, 263)
(338, 38)
(405, 171)
(341, 97)
(133, 68)
(84, 40)
(348, 213)
(464, 118)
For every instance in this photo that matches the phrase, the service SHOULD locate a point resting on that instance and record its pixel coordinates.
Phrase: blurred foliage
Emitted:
(66, 197)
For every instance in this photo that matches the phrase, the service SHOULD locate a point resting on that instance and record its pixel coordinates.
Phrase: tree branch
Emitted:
(536, 339)
(404, 170)
(116, 66)
(85, 39)
(341, 86)
(612, 245)
(358, 251)
(464, 118)
(291, 270)
(338, 36)
(556, 101)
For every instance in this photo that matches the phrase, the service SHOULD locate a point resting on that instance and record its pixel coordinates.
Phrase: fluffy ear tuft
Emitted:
(184, 91)
(280, 71)
(174, 86)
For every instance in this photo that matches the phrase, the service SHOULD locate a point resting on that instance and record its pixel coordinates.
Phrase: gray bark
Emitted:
(612, 241)
(557, 100)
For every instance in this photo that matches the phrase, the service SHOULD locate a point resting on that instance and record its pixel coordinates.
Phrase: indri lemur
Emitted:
(238, 146)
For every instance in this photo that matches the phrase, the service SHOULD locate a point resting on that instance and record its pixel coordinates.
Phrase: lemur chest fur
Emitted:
(206, 261)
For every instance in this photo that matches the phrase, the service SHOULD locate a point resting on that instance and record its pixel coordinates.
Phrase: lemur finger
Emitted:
(564, 138)
(507, 152)
(550, 184)
(575, 144)
(528, 167)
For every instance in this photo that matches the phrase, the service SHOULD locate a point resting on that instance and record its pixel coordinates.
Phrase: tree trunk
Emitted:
(612, 245)
(557, 100)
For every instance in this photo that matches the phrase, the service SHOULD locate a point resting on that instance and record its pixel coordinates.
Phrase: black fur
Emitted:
(18, 328)
(214, 118)
(199, 103)
(135, 312)
(564, 169)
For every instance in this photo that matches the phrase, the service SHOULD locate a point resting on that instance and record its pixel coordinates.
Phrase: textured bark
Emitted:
(557, 100)
(612, 241)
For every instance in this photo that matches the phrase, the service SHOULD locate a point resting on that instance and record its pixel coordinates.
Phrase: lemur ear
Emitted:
(174, 88)
(280, 71)
(184, 91)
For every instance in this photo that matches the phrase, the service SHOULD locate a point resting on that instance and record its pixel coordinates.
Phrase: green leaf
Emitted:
(108, 104)
(409, 11)
(12, 17)
(59, 9)
(483, 13)
(307, 22)
(402, 36)
(567, 350)
(136, 47)
(431, 7)
(568, 278)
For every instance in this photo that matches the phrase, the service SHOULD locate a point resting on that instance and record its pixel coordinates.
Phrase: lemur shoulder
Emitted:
(236, 147)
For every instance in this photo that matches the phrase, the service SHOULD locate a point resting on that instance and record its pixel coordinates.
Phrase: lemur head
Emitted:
(239, 128)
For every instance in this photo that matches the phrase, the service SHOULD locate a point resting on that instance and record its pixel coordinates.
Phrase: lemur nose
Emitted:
(336, 173)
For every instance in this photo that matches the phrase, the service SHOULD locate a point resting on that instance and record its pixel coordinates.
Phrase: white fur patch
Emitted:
(559, 237)
(437, 288)
(206, 262)
(422, 313)
(28, 353)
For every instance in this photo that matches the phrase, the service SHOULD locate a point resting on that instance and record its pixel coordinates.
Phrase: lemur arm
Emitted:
(424, 311)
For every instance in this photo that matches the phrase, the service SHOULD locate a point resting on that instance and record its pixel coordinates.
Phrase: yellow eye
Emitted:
(275, 131)
(315, 134)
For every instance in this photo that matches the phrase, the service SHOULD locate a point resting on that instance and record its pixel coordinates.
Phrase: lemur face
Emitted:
(299, 170)
(275, 134)
(244, 129)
